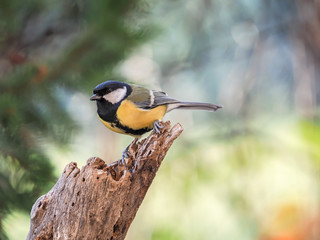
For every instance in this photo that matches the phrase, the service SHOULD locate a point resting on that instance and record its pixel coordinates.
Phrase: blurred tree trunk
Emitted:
(101, 201)
(306, 57)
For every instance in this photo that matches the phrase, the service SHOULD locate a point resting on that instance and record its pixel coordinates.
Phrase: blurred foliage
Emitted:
(248, 171)
(310, 132)
(48, 51)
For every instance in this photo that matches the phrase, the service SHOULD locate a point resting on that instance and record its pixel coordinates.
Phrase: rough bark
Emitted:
(101, 201)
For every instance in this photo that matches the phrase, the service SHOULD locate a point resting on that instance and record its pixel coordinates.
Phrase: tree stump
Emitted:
(101, 201)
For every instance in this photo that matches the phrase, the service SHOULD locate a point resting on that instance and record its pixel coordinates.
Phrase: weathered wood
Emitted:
(101, 201)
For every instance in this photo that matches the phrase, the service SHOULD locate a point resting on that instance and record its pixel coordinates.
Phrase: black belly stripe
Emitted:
(128, 130)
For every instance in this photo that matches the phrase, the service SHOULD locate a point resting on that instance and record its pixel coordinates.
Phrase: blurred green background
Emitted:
(248, 171)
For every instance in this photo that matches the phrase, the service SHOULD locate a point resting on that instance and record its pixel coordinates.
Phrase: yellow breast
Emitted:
(135, 118)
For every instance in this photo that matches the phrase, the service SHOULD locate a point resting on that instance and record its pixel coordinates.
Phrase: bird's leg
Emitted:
(124, 156)
(125, 153)
(157, 127)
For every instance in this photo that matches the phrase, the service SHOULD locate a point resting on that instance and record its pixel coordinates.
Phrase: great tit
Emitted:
(134, 110)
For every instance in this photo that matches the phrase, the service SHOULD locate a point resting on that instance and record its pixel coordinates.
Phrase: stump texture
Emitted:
(101, 201)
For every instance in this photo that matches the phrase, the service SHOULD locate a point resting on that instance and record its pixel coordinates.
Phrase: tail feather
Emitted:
(193, 106)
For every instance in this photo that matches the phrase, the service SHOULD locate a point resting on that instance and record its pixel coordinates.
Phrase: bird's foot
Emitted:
(157, 126)
(124, 156)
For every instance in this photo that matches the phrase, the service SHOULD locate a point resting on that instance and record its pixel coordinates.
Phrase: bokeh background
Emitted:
(248, 171)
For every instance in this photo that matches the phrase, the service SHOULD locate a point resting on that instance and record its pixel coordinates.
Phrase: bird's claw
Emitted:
(157, 126)
(125, 153)
(124, 156)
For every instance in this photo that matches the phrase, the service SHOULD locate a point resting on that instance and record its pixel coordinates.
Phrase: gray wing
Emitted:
(161, 98)
(148, 99)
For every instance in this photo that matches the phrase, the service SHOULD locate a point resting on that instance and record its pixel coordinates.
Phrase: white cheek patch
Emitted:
(116, 95)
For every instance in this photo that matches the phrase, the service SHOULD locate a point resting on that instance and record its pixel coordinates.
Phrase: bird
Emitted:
(134, 110)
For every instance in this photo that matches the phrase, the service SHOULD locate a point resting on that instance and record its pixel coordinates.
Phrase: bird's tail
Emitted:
(193, 106)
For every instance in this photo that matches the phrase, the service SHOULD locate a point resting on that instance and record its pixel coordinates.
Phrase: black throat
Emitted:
(107, 111)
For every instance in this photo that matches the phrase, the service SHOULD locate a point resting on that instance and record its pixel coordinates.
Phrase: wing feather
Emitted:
(148, 99)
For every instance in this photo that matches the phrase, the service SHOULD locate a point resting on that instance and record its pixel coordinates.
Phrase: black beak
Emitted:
(95, 97)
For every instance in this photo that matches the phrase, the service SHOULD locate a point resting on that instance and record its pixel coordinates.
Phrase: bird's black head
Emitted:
(111, 91)
(108, 96)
